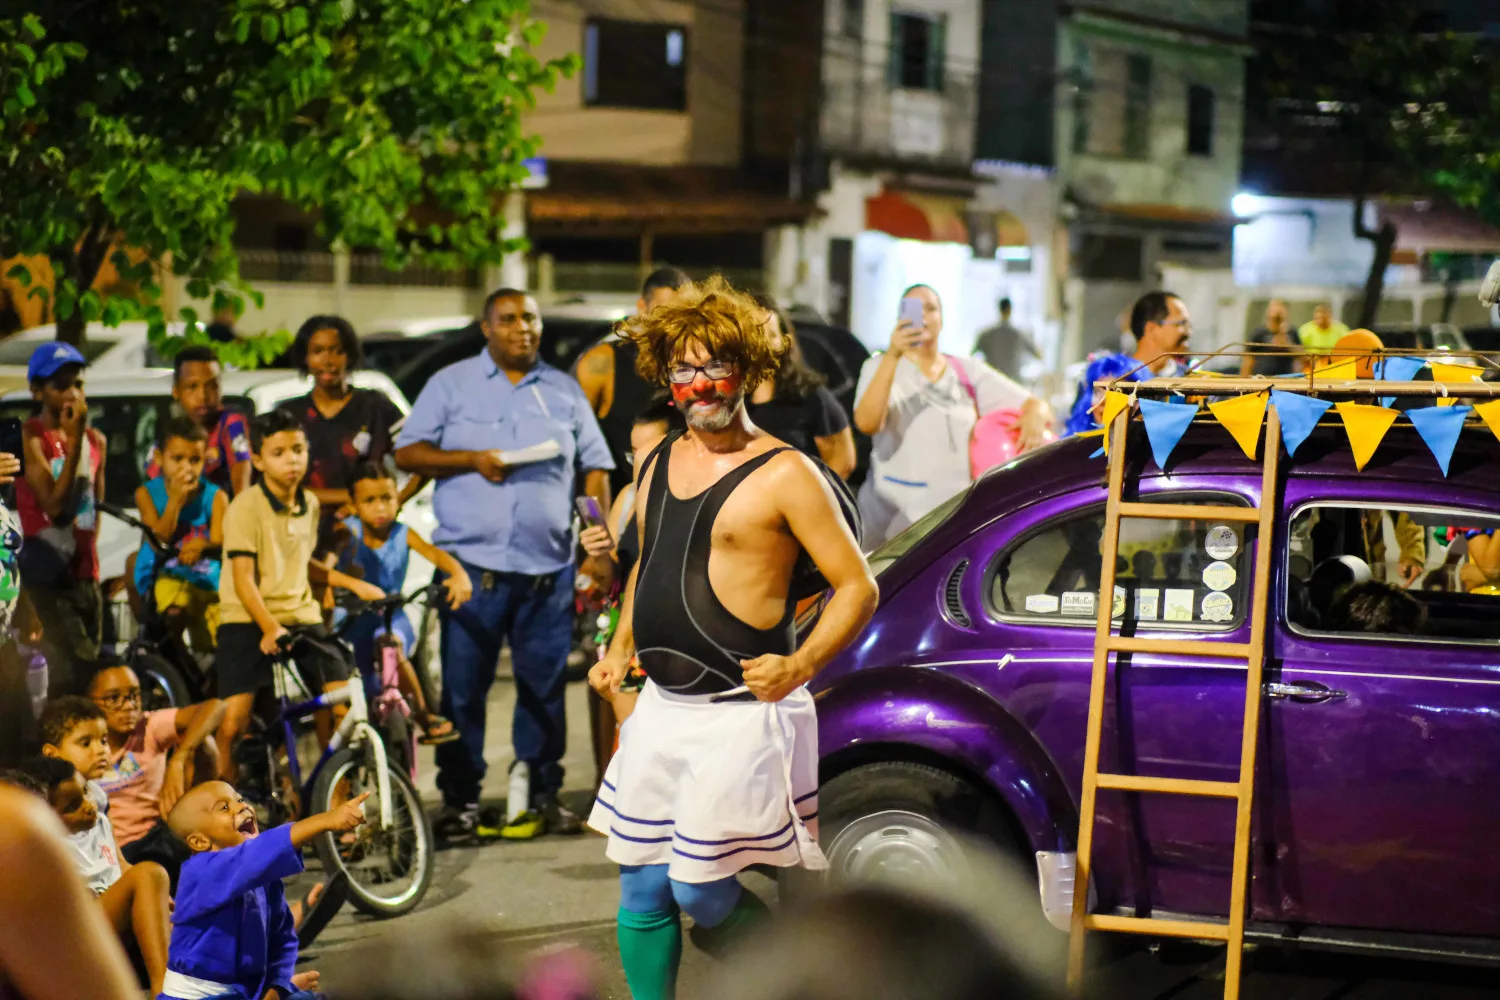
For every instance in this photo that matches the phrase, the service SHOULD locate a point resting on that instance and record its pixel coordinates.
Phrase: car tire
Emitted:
(898, 819)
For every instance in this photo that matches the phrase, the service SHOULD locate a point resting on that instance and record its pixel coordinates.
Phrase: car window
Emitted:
(1174, 572)
(18, 352)
(907, 540)
(1389, 570)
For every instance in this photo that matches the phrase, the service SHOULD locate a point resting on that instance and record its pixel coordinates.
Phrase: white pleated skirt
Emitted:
(711, 788)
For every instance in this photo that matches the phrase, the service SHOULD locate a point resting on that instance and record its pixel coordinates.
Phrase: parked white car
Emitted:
(123, 348)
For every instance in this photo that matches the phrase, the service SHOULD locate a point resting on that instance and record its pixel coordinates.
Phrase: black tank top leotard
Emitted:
(686, 640)
(631, 396)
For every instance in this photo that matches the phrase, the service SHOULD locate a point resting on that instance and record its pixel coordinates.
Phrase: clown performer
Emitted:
(718, 766)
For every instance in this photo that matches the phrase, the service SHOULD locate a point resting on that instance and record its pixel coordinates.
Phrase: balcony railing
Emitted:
(868, 118)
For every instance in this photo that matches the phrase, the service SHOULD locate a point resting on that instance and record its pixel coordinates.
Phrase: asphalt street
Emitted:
(558, 891)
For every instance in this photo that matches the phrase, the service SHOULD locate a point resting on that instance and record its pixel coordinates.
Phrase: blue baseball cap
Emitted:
(49, 357)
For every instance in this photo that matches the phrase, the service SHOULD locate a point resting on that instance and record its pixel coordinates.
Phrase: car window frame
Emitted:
(1303, 632)
(1206, 497)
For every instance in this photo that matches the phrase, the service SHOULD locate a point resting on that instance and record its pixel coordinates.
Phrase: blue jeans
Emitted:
(534, 614)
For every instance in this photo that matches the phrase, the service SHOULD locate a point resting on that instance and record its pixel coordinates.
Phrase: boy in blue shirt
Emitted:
(232, 933)
(185, 511)
(377, 552)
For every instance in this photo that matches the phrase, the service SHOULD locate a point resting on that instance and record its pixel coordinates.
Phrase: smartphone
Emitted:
(911, 311)
(588, 511)
(10, 439)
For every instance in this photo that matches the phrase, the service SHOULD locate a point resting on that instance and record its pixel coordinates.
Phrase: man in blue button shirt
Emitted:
(511, 527)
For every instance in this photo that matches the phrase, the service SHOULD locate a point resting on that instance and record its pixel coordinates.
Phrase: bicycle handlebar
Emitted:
(356, 606)
(120, 514)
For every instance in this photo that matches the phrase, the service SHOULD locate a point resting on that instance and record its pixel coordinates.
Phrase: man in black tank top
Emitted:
(615, 391)
(717, 767)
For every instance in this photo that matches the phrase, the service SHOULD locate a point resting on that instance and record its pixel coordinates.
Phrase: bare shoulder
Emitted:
(794, 476)
(598, 360)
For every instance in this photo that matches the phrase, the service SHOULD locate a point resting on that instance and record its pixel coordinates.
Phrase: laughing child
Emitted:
(232, 933)
(135, 897)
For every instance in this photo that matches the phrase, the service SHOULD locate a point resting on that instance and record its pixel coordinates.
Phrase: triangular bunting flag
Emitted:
(1439, 427)
(1114, 402)
(1165, 425)
(1344, 371)
(1489, 412)
(1242, 417)
(1366, 426)
(1299, 414)
(1398, 369)
(1453, 375)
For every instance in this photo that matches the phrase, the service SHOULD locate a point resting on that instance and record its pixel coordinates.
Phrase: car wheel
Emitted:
(900, 821)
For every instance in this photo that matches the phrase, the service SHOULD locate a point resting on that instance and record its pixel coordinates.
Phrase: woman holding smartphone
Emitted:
(920, 414)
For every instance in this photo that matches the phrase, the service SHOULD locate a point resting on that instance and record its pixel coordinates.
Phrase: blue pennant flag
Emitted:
(1298, 414)
(1399, 369)
(1439, 427)
(1165, 425)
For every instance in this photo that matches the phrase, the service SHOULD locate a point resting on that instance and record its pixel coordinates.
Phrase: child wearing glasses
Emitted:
(154, 758)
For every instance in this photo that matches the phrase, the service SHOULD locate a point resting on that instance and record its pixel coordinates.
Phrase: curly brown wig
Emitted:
(725, 321)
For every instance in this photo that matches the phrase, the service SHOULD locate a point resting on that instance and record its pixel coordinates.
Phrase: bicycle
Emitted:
(389, 860)
(169, 674)
(392, 713)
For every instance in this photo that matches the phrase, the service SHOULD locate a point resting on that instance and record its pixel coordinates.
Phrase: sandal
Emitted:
(437, 730)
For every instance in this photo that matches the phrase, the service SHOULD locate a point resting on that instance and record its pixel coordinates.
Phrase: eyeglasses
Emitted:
(120, 699)
(683, 374)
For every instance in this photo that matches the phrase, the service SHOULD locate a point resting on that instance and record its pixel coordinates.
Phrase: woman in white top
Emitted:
(919, 417)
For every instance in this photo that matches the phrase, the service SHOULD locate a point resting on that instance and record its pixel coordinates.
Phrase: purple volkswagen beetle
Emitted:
(961, 709)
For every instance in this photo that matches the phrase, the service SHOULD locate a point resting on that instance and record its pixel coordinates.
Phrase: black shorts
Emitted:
(244, 669)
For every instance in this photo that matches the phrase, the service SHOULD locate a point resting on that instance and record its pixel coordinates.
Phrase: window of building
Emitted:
(852, 18)
(919, 49)
(1382, 570)
(1112, 103)
(1180, 573)
(1200, 121)
(1109, 257)
(634, 64)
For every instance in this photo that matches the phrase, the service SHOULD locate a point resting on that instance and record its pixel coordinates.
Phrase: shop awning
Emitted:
(1168, 214)
(1010, 231)
(913, 215)
(614, 199)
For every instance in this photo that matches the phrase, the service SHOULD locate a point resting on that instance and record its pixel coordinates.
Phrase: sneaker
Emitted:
(455, 824)
(559, 818)
(491, 822)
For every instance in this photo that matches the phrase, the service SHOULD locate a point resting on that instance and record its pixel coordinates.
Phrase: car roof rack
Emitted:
(1197, 381)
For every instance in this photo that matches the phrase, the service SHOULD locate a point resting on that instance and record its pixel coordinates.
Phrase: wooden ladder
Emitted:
(1253, 653)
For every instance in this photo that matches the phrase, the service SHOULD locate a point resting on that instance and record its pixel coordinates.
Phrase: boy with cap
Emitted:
(58, 502)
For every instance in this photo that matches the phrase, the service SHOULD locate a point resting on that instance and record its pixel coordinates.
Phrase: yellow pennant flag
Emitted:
(1242, 417)
(1453, 375)
(1114, 402)
(1366, 426)
(1344, 371)
(1490, 413)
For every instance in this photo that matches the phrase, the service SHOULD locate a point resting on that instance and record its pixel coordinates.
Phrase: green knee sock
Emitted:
(749, 912)
(650, 951)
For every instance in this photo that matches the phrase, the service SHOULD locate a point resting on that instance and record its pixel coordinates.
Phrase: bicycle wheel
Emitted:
(162, 683)
(389, 869)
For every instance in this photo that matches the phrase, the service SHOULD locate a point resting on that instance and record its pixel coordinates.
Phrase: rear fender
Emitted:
(907, 713)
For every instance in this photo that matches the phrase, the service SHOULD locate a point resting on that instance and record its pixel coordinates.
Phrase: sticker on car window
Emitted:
(1078, 602)
(1179, 606)
(1221, 542)
(1218, 607)
(1117, 608)
(1218, 576)
(1041, 604)
(1147, 604)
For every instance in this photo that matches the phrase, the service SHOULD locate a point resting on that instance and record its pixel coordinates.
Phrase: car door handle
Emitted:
(1309, 692)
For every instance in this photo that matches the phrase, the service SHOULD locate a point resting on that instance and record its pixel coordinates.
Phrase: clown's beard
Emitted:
(712, 420)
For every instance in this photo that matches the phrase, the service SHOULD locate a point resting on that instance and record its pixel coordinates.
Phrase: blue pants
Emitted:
(534, 614)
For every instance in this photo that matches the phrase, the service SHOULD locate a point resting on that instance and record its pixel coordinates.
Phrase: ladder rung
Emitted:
(1173, 786)
(1181, 647)
(1190, 512)
(1164, 928)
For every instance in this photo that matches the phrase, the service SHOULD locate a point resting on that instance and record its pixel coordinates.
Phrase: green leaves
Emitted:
(394, 124)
